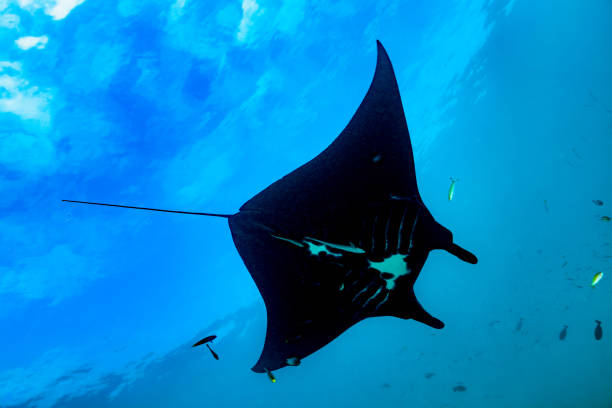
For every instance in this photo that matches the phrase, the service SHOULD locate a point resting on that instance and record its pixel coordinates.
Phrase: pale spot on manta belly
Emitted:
(319, 249)
(393, 265)
(372, 297)
(291, 241)
(345, 248)
(389, 268)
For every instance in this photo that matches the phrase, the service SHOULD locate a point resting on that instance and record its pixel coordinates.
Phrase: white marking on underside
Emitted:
(360, 292)
(401, 227)
(289, 240)
(416, 218)
(382, 302)
(319, 249)
(387, 233)
(394, 265)
(346, 248)
(372, 297)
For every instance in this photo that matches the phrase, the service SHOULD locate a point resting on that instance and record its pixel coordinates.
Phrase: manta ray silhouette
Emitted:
(343, 237)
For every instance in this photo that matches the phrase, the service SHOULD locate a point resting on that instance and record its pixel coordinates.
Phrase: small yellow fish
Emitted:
(451, 189)
(605, 218)
(596, 278)
(270, 375)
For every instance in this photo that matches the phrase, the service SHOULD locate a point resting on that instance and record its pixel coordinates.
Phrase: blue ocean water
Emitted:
(197, 106)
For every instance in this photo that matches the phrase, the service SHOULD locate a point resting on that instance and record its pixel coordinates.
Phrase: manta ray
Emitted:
(343, 237)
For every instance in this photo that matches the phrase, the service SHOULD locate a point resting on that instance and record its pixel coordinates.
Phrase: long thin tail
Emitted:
(151, 209)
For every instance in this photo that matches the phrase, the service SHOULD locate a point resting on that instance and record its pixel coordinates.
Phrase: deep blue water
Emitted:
(199, 105)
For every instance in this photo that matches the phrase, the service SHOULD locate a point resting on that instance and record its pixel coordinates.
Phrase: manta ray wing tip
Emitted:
(381, 50)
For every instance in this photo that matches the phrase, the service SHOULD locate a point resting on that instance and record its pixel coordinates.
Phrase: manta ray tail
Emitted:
(151, 209)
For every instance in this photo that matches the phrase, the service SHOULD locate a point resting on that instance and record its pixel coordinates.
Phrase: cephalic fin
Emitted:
(462, 254)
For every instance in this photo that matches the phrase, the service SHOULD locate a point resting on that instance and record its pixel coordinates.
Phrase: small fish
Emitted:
(386, 385)
(451, 189)
(205, 340)
(293, 361)
(270, 375)
(605, 218)
(596, 278)
(563, 333)
(429, 375)
(459, 388)
(598, 202)
(519, 325)
(546, 205)
(215, 355)
(564, 264)
(598, 330)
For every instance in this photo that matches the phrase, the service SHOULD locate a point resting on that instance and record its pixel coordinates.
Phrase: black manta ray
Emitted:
(343, 237)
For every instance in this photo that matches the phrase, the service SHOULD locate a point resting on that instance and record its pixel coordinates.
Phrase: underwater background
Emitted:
(198, 105)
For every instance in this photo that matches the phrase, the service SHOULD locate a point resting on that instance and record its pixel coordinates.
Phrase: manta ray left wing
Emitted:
(343, 237)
